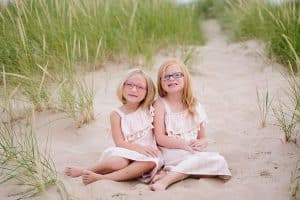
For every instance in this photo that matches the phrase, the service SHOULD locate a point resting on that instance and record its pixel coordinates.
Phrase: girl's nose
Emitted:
(172, 78)
(134, 88)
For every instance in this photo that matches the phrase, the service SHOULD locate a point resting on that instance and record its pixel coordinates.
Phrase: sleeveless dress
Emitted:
(183, 125)
(137, 128)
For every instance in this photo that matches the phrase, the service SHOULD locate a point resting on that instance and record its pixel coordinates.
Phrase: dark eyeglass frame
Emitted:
(175, 75)
(130, 85)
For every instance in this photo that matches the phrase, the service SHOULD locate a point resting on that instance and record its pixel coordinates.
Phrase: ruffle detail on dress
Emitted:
(137, 135)
(188, 135)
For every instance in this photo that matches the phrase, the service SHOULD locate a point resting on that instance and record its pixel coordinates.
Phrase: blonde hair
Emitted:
(149, 98)
(188, 99)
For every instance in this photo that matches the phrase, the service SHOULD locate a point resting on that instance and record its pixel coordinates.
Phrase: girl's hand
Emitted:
(148, 151)
(199, 145)
(188, 147)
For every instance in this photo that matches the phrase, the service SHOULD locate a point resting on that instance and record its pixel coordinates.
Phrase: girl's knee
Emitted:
(151, 165)
(146, 165)
(117, 163)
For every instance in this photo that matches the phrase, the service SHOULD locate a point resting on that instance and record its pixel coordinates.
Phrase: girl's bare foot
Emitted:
(224, 177)
(159, 176)
(158, 186)
(90, 177)
(73, 171)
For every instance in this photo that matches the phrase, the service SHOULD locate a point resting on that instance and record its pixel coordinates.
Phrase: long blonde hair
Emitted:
(188, 99)
(149, 98)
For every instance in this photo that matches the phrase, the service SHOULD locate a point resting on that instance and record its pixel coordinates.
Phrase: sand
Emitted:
(225, 76)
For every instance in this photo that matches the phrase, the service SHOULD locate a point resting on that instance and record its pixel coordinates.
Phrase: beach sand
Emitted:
(225, 77)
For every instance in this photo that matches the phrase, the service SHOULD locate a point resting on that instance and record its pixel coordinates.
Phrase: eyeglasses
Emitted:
(175, 75)
(129, 85)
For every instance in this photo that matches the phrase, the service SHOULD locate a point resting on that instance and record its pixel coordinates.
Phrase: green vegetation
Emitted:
(278, 25)
(210, 9)
(264, 104)
(288, 114)
(286, 121)
(295, 181)
(23, 164)
(76, 100)
(60, 34)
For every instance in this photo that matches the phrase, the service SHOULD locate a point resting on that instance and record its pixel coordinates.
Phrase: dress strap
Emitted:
(167, 107)
(119, 112)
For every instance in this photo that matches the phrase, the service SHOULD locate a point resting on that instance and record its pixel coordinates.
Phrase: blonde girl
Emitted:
(179, 127)
(134, 153)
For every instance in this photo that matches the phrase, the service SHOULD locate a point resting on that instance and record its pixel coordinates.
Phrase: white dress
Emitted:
(183, 125)
(137, 128)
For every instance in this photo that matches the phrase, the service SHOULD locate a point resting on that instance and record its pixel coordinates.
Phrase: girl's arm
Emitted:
(201, 143)
(201, 133)
(160, 131)
(115, 122)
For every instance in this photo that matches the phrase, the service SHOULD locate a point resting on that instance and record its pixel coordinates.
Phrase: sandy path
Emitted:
(225, 77)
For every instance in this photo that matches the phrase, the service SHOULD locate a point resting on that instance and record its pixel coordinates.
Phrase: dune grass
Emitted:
(286, 120)
(76, 100)
(210, 9)
(264, 103)
(23, 164)
(71, 96)
(40, 32)
(295, 181)
(10, 113)
(278, 25)
(288, 114)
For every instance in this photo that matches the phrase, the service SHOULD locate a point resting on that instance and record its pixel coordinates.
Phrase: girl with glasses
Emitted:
(179, 127)
(134, 153)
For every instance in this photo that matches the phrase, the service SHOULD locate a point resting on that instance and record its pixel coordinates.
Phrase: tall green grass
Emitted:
(288, 114)
(295, 181)
(277, 25)
(76, 100)
(40, 32)
(210, 9)
(9, 111)
(23, 164)
(264, 103)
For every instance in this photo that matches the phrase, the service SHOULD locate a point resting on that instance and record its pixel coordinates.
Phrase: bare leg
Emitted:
(133, 170)
(167, 180)
(111, 164)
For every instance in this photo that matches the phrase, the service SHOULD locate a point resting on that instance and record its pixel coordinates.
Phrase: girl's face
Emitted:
(172, 79)
(135, 89)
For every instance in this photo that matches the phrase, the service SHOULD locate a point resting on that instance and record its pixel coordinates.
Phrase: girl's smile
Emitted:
(172, 84)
